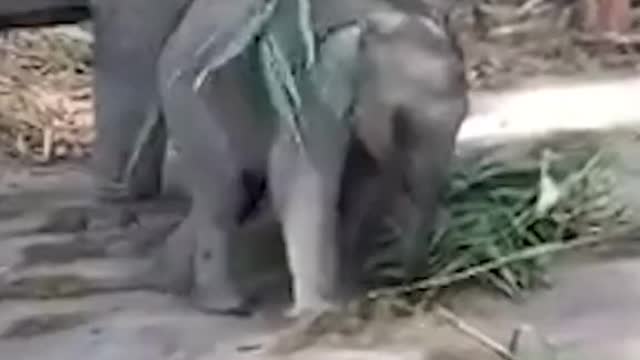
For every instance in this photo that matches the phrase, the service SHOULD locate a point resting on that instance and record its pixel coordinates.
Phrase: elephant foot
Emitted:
(72, 219)
(155, 277)
(305, 329)
(224, 302)
(140, 188)
(99, 215)
(172, 267)
(311, 310)
(215, 290)
(171, 272)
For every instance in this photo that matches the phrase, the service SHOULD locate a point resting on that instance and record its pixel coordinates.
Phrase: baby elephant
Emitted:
(411, 100)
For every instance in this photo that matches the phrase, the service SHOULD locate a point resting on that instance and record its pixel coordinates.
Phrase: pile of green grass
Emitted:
(505, 220)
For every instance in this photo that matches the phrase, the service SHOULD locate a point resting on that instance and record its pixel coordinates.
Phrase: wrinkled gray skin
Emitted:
(427, 104)
(412, 103)
(126, 99)
(129, 37)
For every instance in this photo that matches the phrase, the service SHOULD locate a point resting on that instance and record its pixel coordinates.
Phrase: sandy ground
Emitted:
(587, 314)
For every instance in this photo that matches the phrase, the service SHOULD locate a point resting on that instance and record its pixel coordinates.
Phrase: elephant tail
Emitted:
(33, 13)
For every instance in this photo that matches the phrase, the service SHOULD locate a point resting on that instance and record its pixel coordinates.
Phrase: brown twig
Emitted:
(473, 333)
(614, 38)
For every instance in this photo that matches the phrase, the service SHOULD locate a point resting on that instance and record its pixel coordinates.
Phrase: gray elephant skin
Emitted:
(410, 104)
(129, 152)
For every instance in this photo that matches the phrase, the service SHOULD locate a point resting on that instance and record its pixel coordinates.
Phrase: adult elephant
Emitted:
(129, 36)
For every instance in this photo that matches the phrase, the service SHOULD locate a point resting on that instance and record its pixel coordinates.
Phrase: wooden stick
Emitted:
(610, 37)
(473, 333)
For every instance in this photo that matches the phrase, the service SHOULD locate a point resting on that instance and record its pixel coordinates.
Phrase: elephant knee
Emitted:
(174, 69)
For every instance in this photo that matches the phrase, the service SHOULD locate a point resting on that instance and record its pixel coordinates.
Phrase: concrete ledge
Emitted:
(550, 106)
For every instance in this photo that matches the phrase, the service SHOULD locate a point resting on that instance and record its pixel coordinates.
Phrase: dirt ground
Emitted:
(525, 83)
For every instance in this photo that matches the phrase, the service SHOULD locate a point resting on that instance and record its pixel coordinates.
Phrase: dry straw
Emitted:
(45, 94)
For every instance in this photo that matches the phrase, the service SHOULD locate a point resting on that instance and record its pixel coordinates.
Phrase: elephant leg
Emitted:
(372, 180)
(172, 268)
(358, 192)
(130, 147)
(203, 240)
(131, 137)
(197, 120)
(305, 188)
(367, 196)
(129, 151)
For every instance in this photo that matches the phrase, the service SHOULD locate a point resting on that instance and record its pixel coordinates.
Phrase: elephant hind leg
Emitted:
(200, 121)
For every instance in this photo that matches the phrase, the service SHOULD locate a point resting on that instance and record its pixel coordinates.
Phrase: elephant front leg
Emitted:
(305, 188)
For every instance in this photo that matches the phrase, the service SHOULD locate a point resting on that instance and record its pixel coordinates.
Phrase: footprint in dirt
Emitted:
(135, 241)
(43, 324)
